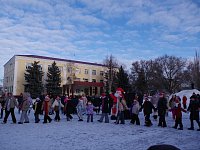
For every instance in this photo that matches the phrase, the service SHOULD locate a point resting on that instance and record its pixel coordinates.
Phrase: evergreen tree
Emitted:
(122, 80)
(33, 78)
(53, 80)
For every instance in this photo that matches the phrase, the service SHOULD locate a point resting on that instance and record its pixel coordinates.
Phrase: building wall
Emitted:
(15, 68)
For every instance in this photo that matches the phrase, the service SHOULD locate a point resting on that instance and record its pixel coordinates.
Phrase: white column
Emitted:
(15, 77)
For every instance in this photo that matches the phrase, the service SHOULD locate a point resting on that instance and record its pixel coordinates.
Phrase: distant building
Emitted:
(77, 77)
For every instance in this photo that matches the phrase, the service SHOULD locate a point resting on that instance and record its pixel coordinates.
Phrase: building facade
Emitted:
(77, 77)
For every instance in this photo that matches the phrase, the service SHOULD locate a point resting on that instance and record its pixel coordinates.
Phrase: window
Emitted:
(93, 80)
(77, 90)
(101, 81)
(28, 65)
(69, 69)
(86, 80)
(93, 72)
(40, 67)
(86, 71)
(101, 73)
(78, 71)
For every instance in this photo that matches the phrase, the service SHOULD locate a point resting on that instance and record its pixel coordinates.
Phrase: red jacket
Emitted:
(184, 99)
(178, 111)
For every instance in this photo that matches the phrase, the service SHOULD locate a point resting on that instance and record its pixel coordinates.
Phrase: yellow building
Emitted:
(77, 77)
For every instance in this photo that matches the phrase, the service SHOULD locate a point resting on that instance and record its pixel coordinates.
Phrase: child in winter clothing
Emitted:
(178, 115)
(134, 112)
(80, 108)
(147, 109)
(46, 107)
(57, 107)
(105, 108)
(37, 107)
(90, 110)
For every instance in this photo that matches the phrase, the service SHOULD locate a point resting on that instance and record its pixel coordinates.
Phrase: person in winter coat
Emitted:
(57, 107)
(121, 108)
(68, 108)
(46, 106)
(3, 101)
(184, 102)
(105, 108)
(172, 105)
(194, 111)
(80, 108)
(154, 101)
(90, 111)
(135, 111)
(178, 115)
(147, 107)
(10, 105)
(37, 107)
(24, 107)
(162, 107)
(20, 100)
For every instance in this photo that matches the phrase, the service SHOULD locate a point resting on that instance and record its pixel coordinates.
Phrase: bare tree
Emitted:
(112, 65)
(172, 68)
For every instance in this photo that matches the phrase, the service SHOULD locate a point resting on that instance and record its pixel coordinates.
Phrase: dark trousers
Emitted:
(192, 123)
(69, 116)
(162, 121)
(46, 117)
(120, 117)
(148, 120)
(2, 112)
(37, 119)
(57, 117)
(178, 121)
(12, 114)
(89, 116)
(184, 106)
(135, 118)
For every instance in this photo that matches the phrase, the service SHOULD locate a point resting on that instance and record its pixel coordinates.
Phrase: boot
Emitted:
(192, 128)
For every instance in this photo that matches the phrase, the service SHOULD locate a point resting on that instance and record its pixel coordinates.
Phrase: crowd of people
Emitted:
(113, 104)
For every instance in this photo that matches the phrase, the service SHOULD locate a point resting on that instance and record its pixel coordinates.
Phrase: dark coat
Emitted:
(38, 107)
(105, 105)
(162, 106)
(69, 107)
(194, 110)
(147, 107)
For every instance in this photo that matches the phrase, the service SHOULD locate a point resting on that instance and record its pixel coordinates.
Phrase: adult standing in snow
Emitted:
(24, 107)
(105, 108)
(46, 107)
(80, 108)
(3, 101)
(68, 108)
(57, 107)
(194, 111)
(147, 107)
(162, 107)
(10, 105)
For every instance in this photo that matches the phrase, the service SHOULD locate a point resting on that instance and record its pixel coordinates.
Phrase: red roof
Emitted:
(95, 84)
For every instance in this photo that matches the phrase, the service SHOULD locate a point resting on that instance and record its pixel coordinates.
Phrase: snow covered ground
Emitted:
(76, 135)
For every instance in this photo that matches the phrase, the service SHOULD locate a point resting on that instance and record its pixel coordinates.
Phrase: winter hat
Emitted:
(37, 99)
(120, 89)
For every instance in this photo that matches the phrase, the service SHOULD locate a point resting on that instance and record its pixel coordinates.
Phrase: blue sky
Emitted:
(89, 30)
